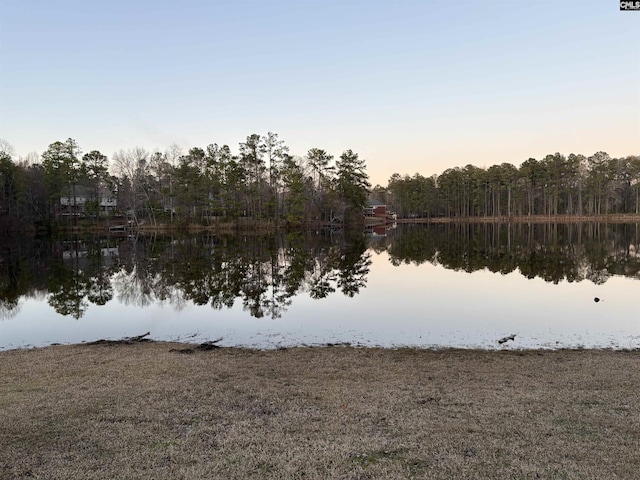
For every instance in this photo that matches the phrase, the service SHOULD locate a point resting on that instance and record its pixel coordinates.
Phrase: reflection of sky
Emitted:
(422, 305)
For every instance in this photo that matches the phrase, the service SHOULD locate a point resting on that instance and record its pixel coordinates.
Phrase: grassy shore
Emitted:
(151, 410)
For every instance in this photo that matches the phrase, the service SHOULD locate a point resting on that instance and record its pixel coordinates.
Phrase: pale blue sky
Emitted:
(412, 86)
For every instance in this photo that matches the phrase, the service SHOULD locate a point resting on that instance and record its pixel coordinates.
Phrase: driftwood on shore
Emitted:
(507, 338)
(123, 341)
(203, 347)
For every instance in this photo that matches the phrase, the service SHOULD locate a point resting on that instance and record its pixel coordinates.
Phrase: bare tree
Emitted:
(132, 166)
(6, 148)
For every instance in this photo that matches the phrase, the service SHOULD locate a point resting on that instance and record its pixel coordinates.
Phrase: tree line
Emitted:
(262, 181)
(555, 185)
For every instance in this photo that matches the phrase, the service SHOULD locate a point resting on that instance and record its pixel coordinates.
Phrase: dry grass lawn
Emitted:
(144, 411)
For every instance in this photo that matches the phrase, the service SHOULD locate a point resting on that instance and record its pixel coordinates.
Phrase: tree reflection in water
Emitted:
(265, 273)
(553, 252)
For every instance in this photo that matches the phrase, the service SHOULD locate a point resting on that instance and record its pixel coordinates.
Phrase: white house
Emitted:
(76, 203)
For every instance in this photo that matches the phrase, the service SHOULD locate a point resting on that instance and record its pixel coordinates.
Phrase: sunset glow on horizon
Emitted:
(412, 86)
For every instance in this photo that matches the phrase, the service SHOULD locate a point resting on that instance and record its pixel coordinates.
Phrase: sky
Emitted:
(411, 86)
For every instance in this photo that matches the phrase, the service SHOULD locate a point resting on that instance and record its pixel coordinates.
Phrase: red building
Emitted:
(375, 208)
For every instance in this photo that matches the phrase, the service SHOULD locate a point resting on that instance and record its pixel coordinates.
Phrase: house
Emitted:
(79, 199)
(375, 208)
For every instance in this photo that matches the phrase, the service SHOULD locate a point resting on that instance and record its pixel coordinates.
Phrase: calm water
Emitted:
(427, 286)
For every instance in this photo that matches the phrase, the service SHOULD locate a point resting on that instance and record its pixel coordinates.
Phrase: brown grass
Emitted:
(143, 411)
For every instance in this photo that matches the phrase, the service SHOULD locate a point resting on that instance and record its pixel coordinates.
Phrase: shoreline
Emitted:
(255, 349)
(244, 226)
(531, 219)
(150, 410)
(502, 345)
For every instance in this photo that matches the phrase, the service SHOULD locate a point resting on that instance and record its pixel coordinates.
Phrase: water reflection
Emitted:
(264, 274)
(553, 252)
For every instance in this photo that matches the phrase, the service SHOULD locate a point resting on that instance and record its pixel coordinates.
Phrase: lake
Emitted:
(428, 286)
